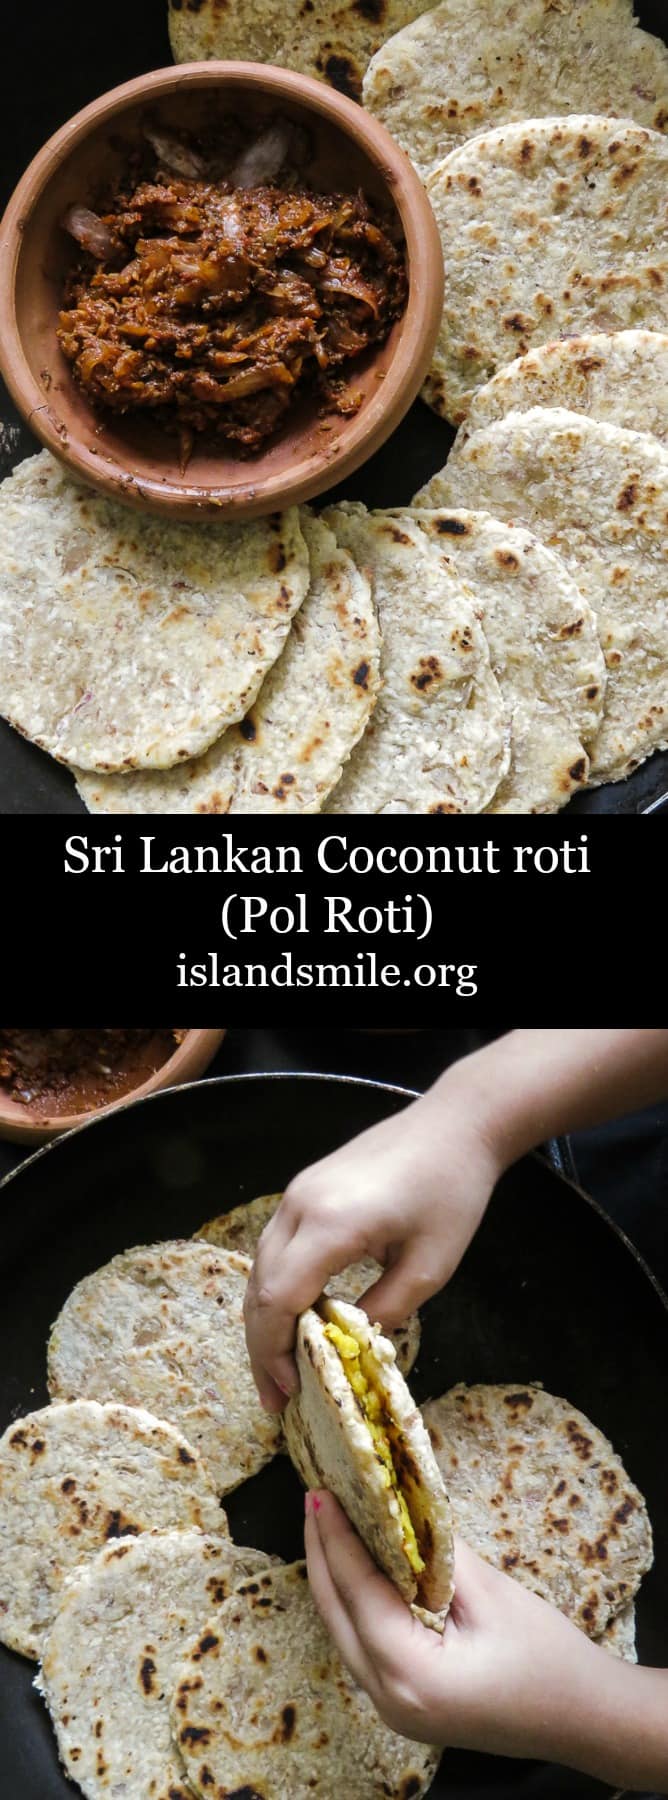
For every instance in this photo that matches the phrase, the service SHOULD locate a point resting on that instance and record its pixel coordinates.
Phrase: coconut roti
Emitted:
(332, 1446)
(264, 1706)
(439, 738)
(599, 497)
(544, 649)
(548, 226)
(461, 69)
(112, 1656)
(162, 1326)
(539, 1492)
(288, 753)
(618, 376)
(73, 1477)
(241, 1229)
(132, 642)
(331, 41)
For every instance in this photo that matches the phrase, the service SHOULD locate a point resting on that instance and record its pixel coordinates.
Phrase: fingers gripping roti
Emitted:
(264, 1706)
(113, 1654)
(599, 497)
(162, 1326)
(132, 642)
(354, 1429)
(467, 66)
(545, 653)
(548, 226)
(539, 1492)
(620, 377)
(439, 740)
(242, 1228)
(313, 706)
(73, 1477)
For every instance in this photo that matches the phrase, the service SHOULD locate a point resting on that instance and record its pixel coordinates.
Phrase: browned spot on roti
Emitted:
(453, 527)
(580, 1443)
(507, 559)
(343, 75)
(277, 558)
(146, 1673)
(428, 670)
(287, 1726)
(185, 1456)
(628, 496)
(578, 769)
(361, 675)
(195, 1734)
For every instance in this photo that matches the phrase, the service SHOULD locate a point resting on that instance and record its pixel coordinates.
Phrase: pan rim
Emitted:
(339, 1080)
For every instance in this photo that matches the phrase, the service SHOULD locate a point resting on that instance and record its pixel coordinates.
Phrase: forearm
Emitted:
(619, 1730)
(531, 1085)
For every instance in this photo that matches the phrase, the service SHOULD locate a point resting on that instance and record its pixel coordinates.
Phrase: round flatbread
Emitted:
(545, 654)
(465, 68)
(618, 376)
(599, 497)
(439, 740)
(241, 1229)
(162, 1326)
(331, 41)
(548, 226)
(131, 642)
(288, 753)
(332, 1446)
(113, 1654)
(539, 1492)
(264, 1706)
(74, 1476)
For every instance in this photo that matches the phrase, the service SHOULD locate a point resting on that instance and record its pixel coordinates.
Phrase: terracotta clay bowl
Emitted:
(26, 1125)
(135, 461)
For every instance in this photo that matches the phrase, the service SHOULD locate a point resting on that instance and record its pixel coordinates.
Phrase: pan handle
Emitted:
(559, 1153)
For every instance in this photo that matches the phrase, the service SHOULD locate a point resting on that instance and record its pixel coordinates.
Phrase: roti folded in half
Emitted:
(354, 1429)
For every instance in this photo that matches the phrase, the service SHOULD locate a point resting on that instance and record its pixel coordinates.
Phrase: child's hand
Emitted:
(410, 1192)
(509, 1675)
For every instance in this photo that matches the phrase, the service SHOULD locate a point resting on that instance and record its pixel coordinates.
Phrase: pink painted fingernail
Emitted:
(284, 1390)
(316, 1503)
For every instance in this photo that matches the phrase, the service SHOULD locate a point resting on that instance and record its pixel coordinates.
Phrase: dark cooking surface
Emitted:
(55, 61)
(548, 1291)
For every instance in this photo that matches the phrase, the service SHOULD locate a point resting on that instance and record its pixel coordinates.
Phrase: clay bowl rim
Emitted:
(382, 411)
(187, 1061)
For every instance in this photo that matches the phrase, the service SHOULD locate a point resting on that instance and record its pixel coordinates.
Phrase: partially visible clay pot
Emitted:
(189, 1059)
(128, 458)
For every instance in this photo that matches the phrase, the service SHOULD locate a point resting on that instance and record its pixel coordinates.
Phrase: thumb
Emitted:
(416, 1274)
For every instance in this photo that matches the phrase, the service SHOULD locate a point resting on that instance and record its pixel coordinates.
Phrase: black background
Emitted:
(56, 58)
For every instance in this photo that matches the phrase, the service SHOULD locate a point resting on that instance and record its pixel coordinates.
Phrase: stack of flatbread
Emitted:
(539, 131)
(116, 1560)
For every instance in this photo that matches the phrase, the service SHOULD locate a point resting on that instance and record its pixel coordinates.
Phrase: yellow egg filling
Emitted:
(359, 1371)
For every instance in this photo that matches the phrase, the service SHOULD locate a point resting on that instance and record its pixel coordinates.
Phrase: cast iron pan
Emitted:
(549, 1291)
(42, 86)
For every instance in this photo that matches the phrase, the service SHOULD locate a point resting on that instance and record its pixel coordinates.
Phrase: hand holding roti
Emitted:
(412, 1191)
(409, 1192)
(509, 1675)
